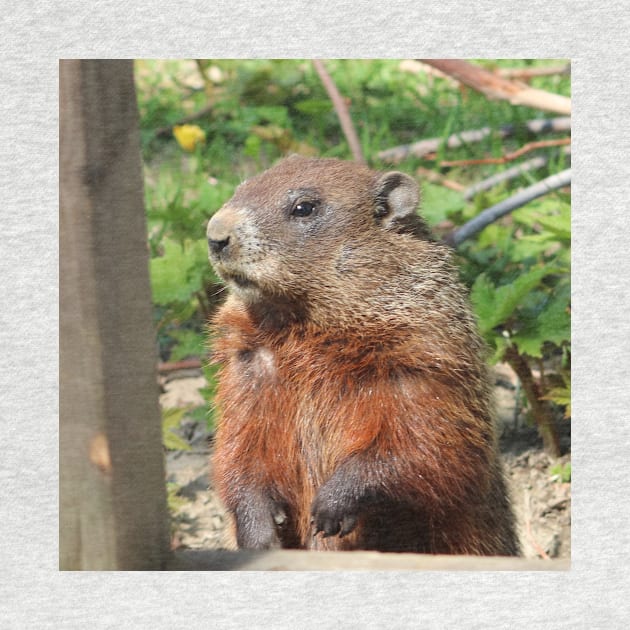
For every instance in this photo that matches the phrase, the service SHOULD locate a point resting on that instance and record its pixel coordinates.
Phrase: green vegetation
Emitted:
(561, 472)
(256, 111)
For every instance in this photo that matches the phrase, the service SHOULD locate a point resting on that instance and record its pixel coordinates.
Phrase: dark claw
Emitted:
(330, 527)
(334, 511)
(347, 525)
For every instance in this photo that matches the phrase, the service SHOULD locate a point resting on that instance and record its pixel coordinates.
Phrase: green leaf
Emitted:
(179, 272)
(173, 442)
(252, 146)
(277, 115)
(314, 106)
(559, 225)
(549, 213)
(189, 343)
(174, 500)
(200, 414)
(483, 296)
(213, 196)
(552, 324)
(500, 345)
(561, 473)
(562, 395)
(494, 235)
(494, 305)
(439, 202)
(531, 246)
(171, 419)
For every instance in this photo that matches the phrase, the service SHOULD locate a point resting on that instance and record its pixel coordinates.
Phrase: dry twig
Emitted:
(186, 364)
(490, 215)
(524, 74)
(510, 157)
(424, 147)
(529, 165)
(436, 178)
(342, 110)
(495, 87)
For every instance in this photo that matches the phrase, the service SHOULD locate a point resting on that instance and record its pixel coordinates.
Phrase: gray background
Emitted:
(33, 593)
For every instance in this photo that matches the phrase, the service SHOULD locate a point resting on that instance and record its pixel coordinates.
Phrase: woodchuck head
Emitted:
(326, 240)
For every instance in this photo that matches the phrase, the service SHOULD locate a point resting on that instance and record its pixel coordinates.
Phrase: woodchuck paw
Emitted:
(332, 516)
(259, 523)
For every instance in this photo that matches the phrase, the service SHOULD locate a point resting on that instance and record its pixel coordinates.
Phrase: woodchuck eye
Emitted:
(303, 209)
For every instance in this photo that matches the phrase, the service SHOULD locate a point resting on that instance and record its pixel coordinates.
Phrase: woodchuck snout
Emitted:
(353, 396)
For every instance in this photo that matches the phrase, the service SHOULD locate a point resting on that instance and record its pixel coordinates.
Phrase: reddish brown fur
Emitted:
(352, 387)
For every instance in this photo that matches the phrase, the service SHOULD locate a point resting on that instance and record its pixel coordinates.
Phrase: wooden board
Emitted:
(292, 560)
(112, 492)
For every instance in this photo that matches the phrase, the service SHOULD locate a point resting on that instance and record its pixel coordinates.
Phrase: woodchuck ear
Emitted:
(397, 197)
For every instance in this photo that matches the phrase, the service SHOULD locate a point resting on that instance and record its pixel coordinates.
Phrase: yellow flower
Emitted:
(189, 136)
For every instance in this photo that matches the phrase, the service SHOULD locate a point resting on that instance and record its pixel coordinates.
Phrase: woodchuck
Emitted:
(353, 396)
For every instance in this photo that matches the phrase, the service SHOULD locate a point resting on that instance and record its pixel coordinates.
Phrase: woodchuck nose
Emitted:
(353, 397)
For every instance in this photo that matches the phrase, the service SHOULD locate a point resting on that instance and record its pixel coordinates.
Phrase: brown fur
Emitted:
(354, 400)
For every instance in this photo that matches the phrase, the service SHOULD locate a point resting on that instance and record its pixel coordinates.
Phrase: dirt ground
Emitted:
(541, 500)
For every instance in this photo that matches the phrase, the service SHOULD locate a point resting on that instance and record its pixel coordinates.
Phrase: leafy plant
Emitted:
(522, 301)
(236, 117)
(171, 420)
(561, 472)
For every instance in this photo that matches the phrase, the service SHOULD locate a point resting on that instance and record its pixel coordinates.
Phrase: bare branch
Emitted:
(185, 364)
(204, 77)
(424, 147)
(495, 87)
(490, 215)
(342, 110)
(524, 74)
(530, 165)
(509, 157)
(436, 178)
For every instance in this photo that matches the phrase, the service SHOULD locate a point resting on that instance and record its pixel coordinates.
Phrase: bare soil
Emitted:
(542, 501)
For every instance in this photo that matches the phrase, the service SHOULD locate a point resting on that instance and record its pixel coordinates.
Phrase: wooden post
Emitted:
(112, 492)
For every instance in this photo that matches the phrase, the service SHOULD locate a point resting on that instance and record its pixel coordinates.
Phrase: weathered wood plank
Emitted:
(292, 560)
(112, 494)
